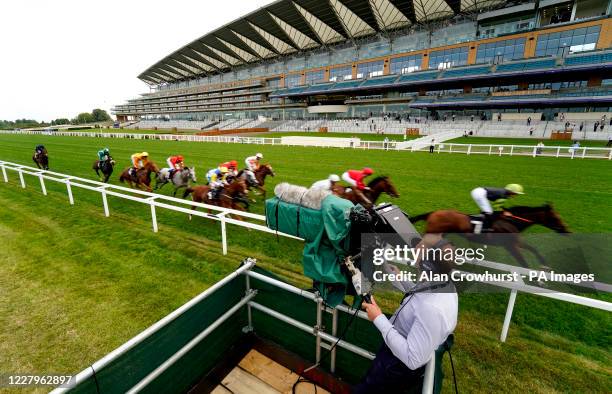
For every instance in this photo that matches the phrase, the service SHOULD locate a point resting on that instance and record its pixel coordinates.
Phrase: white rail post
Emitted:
(511, 150)
(584, 150)
(153, 214)
(23, 185)
(558, 151)
(223, 233)
(43, 188)
(509, 309)
(469, 149)
(4, 174)
(105, 203)
(69, 190)
(429, 378)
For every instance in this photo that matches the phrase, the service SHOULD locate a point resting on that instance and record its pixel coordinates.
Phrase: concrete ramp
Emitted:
(425, 142)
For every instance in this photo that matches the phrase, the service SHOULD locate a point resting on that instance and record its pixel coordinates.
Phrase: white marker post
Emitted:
(508, 317)
(43, 188)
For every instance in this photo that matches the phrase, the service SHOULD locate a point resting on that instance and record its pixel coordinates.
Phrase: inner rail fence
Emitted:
(439, 147)
(155, 201)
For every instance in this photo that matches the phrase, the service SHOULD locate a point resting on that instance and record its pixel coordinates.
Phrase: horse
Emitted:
(229, 197)
(42, 160)
(367, 197)
(142, 179)
(259, 180)
(512, 222)
(180, 178)
(106, 167)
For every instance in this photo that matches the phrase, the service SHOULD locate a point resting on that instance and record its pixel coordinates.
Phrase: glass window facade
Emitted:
(406, 64)
(315, 76)
(497, 52)
(340, 73)
(293, 80)
(370, 69)
(560, 43)
(447, 58)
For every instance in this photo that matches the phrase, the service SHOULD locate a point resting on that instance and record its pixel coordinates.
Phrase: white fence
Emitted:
(469, 149)
(155, 201)
(525, 150)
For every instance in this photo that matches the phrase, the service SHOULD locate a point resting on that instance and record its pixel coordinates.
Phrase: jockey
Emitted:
(252, 165)
(326, 184)
(252, 162)
(39, 150)
(355, 178)
(103, 155)
(231, 165)
(175, 163)
(484, 196)
(217, 178)
(139, 160)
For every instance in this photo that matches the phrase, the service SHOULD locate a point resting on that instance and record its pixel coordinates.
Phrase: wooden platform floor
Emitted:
(257, 374)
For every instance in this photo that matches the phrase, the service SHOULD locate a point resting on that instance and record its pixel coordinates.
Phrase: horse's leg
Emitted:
(513, 249)
(524, 245)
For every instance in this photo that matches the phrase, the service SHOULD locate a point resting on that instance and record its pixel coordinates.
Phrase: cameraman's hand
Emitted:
(372, 309)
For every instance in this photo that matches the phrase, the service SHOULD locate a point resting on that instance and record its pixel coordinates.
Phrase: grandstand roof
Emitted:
(289, 26)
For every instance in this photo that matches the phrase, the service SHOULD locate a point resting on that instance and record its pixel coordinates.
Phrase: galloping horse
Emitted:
(180, 178)
(367, 197)
(106, 167)
(260, 177)
(229, 197)
(142, 179)
(42, 160)
(512, 222)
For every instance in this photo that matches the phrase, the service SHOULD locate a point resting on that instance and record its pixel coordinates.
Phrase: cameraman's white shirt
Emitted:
(422, 325)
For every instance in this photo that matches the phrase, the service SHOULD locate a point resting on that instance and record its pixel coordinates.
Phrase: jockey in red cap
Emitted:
(231, 165)
(355, 177)
(175, 163)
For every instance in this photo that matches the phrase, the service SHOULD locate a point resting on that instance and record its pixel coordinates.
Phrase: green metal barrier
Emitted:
(178, 351)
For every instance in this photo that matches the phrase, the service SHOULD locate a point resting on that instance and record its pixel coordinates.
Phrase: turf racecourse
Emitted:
(74, 284)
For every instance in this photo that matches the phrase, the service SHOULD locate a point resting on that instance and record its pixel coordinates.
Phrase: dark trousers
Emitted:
(389, 375)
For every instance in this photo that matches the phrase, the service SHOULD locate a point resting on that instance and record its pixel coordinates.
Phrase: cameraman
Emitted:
(426, 316)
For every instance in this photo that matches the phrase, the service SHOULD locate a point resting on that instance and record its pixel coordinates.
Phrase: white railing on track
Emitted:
(153, 200)
(469, 149)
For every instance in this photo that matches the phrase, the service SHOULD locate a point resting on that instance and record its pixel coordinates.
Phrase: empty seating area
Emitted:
(171, 124)
(595, 58)
(465, 71)
(525, 65)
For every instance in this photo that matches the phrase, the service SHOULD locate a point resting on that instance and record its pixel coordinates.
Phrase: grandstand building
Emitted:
(334, 59)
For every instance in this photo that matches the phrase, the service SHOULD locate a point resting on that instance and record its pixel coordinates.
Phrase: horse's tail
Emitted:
(420, 217)
(187, 192)
(122, 178)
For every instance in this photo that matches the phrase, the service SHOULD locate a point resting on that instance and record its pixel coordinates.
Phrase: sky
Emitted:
(63, 57)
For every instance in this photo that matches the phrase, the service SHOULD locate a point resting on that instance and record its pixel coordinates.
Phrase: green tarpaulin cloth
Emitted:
(326, 235)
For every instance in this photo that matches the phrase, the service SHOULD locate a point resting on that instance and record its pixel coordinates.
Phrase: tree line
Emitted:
(97, 115)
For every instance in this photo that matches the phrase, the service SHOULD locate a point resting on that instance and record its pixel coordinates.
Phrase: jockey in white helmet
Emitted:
(326, 184)
(252, 165)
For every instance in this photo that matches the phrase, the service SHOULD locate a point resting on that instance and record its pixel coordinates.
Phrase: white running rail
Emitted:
(153, 200)
(487, 149)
